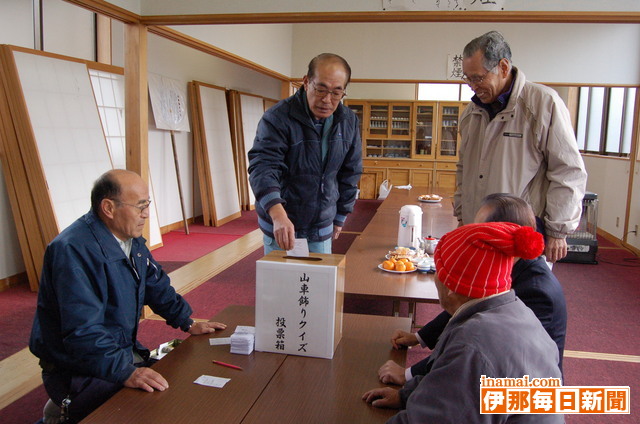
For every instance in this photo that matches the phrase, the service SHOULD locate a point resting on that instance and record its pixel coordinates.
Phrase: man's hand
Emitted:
(146, 379)
(203, 327)
(555, 249)
(385, 397)
(336, 232)
(392, 373)
(401, 339)
(283, 229)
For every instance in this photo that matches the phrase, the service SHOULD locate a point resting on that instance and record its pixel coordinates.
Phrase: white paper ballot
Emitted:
(300, 248)
(220, 341)
(242, 343)
(211, 381)
(245, 329)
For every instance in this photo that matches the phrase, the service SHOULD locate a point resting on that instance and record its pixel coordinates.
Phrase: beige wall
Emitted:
(269, 45)
(553, 53)
(605, 173)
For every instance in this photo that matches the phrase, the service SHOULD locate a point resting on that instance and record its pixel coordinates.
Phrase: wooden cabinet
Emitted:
(370, 181)
(448, 126)
(387, 130)
(421, 178)
(446, 175)
(408, 143)
(360, 108)
(424, 126)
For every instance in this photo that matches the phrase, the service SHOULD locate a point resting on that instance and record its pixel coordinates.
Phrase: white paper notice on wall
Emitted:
(454, 66)
(447, 4)
(169, 103)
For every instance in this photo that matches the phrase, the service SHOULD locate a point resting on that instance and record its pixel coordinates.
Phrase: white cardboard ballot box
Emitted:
(299, 304)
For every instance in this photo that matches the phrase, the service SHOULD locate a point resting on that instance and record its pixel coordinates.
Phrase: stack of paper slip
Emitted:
(243, 339)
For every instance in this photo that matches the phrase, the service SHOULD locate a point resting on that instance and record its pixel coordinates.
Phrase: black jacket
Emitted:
(285, 166)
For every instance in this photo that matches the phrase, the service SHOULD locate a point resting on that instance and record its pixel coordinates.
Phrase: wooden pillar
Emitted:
(103, 39)
(286, 89)
(136, 102)
(634, 158)
(573, 104)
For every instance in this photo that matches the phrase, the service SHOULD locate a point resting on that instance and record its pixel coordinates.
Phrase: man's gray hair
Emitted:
(494, 47)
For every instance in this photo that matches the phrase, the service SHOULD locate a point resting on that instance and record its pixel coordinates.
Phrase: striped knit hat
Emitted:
(475, 260)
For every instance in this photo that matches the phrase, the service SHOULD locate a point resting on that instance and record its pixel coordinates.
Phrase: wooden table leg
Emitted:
(396, 308)
(412, 313)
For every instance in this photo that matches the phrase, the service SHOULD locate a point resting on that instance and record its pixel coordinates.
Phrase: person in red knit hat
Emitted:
(491, 332)
(476, 261)
(531, 279)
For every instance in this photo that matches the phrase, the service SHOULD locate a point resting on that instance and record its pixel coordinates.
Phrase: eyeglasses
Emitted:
(141, 207)
(336, 94)
(476, 80)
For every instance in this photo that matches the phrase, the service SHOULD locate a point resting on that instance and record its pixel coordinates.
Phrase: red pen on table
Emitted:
(224, 364)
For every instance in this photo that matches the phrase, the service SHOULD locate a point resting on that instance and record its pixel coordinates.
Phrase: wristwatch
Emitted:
(188, 327)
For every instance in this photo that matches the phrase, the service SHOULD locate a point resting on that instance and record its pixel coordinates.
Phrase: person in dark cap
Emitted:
(491, 332)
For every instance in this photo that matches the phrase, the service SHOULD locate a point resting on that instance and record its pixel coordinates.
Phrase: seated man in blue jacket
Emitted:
(97, 276)
(532, 281)
(306, 161)
(491, 332)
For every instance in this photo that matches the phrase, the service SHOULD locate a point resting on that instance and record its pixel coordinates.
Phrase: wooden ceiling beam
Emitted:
(107, 9)
(586, 17)
(393, 16)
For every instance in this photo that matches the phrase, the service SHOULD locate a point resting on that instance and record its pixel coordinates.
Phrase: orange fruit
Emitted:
(388, 265)
(401, 266)
(410, 266)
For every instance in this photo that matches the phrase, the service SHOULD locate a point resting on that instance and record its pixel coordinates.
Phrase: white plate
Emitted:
(429, 200)
(396, 272)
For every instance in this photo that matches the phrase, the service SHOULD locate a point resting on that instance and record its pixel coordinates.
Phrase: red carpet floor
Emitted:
(17, 308)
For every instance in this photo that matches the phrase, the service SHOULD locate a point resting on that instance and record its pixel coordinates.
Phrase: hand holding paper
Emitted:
(300, 248)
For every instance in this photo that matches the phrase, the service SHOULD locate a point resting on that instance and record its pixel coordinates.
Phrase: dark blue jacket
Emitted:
(285, 166)
(90, 302)
(537, 287)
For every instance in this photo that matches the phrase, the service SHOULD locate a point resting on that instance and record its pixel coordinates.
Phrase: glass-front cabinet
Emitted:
(360, 109)
(449, 127)
(389, 131)
(401, 121)
(378, 120)
(409, 130)
(408, 142)
(424, 131)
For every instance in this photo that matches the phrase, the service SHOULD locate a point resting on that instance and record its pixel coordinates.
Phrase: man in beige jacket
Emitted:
(517, 138)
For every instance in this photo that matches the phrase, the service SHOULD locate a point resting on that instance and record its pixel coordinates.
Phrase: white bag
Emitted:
(385, 188)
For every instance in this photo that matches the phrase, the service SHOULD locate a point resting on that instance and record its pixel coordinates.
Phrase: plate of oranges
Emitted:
(398, 266)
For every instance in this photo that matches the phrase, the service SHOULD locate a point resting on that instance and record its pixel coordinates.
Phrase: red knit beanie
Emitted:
(475, 260)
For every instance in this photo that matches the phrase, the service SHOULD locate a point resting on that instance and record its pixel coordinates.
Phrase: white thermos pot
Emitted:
(410, 226)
